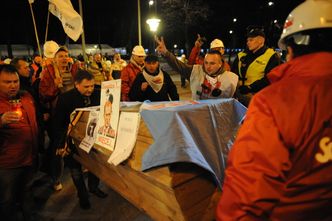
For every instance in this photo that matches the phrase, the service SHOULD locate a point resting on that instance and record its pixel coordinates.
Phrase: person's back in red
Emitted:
(280, 165)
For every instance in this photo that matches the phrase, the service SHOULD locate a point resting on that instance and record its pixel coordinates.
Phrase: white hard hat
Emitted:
(311, 14)
(50, 48)
(138, 50)
(7, 61)
(216, 43)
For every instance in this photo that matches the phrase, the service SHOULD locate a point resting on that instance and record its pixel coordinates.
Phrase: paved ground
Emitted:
(64, 206)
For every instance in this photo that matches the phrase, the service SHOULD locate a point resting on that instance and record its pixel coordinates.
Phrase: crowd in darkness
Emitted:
(288, 122)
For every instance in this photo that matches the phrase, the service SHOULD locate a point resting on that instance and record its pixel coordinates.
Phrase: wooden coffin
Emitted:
(180, 191)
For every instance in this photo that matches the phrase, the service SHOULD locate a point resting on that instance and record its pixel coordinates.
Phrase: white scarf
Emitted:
(135, 64)
(156, 82)
(213, 81)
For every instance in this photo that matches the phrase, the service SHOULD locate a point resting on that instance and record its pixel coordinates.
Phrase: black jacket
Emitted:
(67, 103)
(166, 93)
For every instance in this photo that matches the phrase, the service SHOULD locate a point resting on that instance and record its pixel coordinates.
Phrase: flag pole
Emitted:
(35, 28)
(139, 22)
(47, 22)
(82, 35)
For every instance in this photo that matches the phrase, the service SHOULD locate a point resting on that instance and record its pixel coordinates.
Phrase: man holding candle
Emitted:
(17, 156)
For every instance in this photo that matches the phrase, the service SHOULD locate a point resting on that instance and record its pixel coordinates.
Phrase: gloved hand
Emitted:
(244, 89)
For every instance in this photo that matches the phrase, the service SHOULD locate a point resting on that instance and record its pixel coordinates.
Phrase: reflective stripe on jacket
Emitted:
(256, 69)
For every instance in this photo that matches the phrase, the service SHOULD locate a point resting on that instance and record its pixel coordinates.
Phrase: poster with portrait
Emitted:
(109, 113)
(91, 132)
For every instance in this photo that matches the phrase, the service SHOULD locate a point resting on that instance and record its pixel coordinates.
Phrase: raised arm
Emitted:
(182, 68)
(195, 50)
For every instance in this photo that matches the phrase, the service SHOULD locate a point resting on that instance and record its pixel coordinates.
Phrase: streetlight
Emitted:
(234, 20)
(153, 24)
(151, 2)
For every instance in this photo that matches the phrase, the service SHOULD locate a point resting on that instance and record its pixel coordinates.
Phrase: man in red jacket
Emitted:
(280, 165)
(129, 73)
(18, 142)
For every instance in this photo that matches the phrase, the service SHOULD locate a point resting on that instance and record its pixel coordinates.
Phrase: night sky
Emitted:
(114, 22)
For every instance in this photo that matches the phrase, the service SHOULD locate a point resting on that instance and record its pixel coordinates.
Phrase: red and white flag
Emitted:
(71, 21)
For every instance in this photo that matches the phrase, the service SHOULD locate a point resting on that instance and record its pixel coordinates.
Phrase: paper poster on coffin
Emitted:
(126, 138)
(91, 132)
(109, 114)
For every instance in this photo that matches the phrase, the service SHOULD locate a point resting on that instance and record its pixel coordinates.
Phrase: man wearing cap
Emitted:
(207, 81)
(279, 167)
(128, 74)
(253, 64)
(153, 84)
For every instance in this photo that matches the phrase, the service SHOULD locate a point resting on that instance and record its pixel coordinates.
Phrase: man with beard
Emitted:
(153, 84)
(207, 81)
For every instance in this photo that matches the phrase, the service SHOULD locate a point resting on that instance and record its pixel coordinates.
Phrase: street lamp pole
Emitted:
(153, 21)
(139, 22)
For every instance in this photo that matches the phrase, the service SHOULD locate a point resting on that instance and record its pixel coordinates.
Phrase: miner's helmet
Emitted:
(307, 18)
(50, 49)
(138, 50)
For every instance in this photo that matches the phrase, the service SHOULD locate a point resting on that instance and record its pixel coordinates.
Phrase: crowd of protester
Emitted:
(283, 128)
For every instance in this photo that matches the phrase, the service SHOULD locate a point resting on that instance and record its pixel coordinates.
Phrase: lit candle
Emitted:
(16, 107)
(19, 112)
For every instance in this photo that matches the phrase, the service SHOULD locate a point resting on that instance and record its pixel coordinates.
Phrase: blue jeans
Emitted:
(14, 191)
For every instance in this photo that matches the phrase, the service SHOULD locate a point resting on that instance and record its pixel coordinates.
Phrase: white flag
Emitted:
(71, 21)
